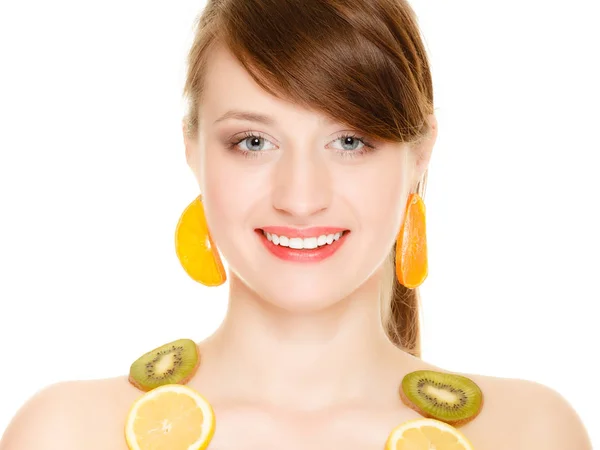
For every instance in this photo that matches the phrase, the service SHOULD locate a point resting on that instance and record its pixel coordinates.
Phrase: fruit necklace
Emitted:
(173, 416)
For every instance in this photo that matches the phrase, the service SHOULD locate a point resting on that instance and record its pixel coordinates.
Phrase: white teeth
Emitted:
(296, 243)
(309, 242)
(300, 243)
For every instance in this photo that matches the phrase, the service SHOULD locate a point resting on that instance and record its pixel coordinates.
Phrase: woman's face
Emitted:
(295, 169)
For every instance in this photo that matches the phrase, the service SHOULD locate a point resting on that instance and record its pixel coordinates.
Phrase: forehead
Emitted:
(229, 87)
(225, 76)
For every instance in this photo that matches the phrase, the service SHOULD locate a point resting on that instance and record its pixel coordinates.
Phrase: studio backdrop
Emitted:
(93, 179)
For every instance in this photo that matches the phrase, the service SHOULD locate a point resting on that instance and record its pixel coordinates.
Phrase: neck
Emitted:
(305, 361)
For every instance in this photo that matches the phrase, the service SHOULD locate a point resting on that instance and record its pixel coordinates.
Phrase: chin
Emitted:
(303, 294)
(303, 286)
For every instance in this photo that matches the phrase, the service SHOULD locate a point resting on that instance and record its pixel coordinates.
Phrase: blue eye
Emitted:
(352, 140)
(251, 140)
(352, 145)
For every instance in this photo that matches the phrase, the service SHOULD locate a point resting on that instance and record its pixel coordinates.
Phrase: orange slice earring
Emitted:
(195, 248)
(411, 245)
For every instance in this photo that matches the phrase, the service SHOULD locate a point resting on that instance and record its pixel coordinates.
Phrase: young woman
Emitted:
(309, 131)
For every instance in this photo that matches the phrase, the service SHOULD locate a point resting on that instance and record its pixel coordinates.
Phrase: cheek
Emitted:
(229, 187)
(219, 189)
(377, 194)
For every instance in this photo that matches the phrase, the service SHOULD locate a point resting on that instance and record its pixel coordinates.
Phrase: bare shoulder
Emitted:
(73, 415)
(537, 416)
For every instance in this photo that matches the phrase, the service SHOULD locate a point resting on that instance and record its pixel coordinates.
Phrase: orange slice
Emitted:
(426, 434)
(195, 249)
(411, 248)
(170, 417)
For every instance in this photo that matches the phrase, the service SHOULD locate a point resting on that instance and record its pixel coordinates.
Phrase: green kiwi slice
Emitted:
(448, 397)
(173, 363)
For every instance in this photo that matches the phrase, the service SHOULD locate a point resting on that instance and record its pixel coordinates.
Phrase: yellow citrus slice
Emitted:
(195, 248)
(426, 434)
(170, 417)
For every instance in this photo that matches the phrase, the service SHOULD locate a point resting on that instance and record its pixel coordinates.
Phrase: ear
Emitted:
(191, 151)
(424, 148)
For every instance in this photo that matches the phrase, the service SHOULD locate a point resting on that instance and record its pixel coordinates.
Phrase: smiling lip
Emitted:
(302, 255)
(302, 232)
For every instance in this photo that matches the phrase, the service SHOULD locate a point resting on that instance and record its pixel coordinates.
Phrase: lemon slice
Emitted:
(170, 417)
(427, 434)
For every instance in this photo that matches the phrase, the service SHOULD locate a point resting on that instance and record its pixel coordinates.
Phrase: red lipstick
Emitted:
(282, 250)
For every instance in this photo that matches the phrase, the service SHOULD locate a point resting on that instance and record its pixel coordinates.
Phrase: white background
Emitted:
(93, 179)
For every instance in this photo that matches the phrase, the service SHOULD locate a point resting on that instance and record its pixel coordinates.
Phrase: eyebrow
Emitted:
(246, 115)
(255, 117)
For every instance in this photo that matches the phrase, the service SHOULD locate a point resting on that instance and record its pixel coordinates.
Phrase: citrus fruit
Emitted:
(195, 249)
(426, 434)
(411, 248)
(170, 417)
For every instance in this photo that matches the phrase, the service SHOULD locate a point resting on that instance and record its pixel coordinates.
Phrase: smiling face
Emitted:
(266, 165)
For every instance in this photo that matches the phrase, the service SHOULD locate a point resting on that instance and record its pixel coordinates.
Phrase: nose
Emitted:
(302, 186)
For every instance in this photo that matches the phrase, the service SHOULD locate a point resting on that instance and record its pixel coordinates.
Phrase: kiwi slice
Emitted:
(173, 363)
(448, 397)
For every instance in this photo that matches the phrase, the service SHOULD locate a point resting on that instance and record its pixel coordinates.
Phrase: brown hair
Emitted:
(360, 62)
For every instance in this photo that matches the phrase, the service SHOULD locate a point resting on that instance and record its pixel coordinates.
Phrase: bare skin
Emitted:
(301, 360)
(96, 412)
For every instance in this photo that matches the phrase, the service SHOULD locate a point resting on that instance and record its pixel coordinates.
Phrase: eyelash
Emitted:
(250, 154)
